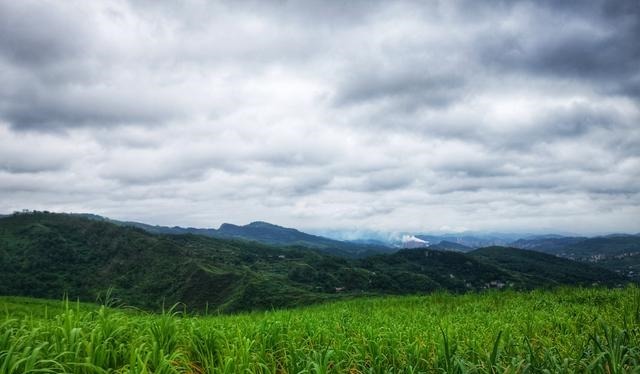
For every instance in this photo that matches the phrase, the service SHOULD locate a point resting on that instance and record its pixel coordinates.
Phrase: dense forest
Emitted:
(48, 255)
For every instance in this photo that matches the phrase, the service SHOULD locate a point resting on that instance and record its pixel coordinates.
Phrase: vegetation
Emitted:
(560, 331)
(262, 232)
(618, 252)
(538, 266)
(47, 255)
(267, 233)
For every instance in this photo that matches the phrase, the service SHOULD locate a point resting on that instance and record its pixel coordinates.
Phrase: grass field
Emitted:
(565, 330)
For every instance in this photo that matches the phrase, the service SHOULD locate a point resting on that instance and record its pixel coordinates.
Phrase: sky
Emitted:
(416, 116)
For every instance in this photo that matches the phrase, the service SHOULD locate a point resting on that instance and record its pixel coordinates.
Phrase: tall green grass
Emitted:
(561, 331)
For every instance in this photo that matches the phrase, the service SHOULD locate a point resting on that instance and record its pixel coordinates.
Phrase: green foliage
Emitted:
(566, 330)
(619, 253)
(539, 268)
(47, 255)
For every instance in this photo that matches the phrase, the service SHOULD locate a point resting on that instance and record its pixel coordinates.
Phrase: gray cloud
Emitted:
(418, 116)
(62, 107)
(595, 42)
(408, 90)
(35, 34)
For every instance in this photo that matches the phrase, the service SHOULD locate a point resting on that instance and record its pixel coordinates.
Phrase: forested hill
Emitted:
(265, 233)
(619, 252)
(46, 255)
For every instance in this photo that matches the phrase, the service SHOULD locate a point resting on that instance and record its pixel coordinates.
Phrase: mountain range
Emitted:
(265, 233)
(617, 252)
(48, 255)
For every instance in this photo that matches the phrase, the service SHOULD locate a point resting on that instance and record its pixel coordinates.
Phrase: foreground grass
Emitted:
(566, 330)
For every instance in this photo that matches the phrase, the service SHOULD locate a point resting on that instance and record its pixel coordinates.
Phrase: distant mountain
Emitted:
(471, 240)
(547, 267)
(551, 244)
(262, 232)
(268, 233)
(617, 252)
(375, 242)
(154, 229)
(620, 253)
(446, 245)
(618, 235)
(604, 245)
(46, 255)
(544, 236)
(582, 247)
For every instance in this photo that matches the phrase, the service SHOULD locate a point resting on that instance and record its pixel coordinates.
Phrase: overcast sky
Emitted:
(418, 116)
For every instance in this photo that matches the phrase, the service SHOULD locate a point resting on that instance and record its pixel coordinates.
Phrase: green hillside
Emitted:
(547, 244)
(46, 255)
(268, 233)
(446, 245)
(540, 268)
(583, 248)
(619, 253)
(261, 232)
(605, 245)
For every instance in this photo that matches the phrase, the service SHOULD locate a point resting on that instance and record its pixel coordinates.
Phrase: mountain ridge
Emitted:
(46, 255)
(263, 232)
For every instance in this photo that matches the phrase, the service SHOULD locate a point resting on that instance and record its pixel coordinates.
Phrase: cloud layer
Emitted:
(413, 116)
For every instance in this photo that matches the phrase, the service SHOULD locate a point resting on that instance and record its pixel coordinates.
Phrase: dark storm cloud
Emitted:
(571, 54)
(33, 34)
(407, 90)
(60, 69)
(59, 107)
(36, 164)
(595, 42)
